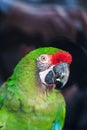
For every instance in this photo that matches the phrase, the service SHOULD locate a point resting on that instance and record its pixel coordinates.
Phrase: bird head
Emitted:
(53, 69)
(47, 67)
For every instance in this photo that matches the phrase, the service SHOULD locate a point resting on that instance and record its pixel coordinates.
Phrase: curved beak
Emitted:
(57, 76)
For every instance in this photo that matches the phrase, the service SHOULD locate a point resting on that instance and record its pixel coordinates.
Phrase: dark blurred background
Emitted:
(29, 24)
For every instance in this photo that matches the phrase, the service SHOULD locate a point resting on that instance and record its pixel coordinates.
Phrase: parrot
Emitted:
(31, 98)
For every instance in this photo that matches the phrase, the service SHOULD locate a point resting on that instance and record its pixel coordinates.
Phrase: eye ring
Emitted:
(43, 58)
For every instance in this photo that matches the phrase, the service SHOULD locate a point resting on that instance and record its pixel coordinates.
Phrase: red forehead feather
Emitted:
(61, 56)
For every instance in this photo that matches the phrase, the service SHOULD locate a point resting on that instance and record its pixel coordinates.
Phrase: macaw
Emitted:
(31, 98)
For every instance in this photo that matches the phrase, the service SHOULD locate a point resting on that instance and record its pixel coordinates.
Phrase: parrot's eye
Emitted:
(43, 58)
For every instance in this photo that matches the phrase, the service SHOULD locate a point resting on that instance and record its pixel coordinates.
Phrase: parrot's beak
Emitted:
(57, 76)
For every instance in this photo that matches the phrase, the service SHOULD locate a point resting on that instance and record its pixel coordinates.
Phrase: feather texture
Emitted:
(24, 105)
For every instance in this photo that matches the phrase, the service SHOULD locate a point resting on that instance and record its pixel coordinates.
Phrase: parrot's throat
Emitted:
(47, 89)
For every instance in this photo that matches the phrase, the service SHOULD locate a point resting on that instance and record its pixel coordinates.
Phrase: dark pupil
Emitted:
(43, 58)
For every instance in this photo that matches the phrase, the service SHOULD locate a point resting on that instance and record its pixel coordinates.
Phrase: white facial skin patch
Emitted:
(44, 73)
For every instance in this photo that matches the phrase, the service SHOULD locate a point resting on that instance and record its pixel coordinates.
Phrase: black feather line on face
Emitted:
(42, 66)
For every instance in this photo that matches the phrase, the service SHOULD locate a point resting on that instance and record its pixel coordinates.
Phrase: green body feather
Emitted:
(23, 106)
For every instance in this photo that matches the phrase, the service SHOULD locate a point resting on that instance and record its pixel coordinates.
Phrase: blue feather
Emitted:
(56, 126)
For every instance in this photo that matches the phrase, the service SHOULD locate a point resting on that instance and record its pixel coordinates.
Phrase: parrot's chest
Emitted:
(45, 102)
(37, 112)
(43, 111)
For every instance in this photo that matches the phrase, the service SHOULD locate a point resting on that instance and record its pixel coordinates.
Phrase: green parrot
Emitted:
(31, 98)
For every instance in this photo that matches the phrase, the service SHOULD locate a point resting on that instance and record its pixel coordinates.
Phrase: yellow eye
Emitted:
(43, 58)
